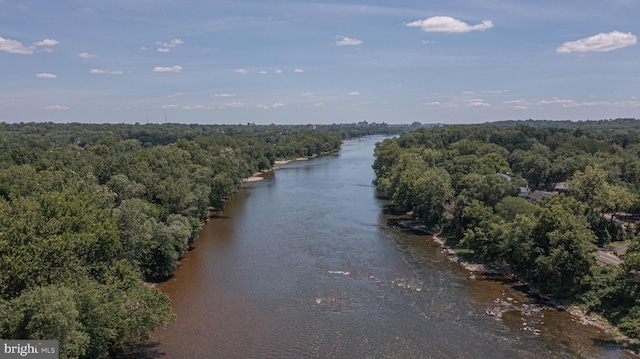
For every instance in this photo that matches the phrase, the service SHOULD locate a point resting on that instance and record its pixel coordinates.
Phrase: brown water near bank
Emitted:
(302, 265)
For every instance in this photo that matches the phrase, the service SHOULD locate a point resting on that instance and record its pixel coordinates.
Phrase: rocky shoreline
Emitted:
(548, 301)
(503, 305)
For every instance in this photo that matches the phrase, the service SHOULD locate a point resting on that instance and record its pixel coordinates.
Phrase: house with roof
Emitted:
(523, 192)
(560, 187)
(537, 195)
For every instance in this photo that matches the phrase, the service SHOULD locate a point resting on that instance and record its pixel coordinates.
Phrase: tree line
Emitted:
(468, 183)
(87, 212)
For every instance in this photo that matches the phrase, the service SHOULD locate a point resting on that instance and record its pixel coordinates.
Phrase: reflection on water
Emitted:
(301, 265)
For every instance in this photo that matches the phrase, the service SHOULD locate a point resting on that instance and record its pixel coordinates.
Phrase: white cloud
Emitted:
(46, 42)
(223, 95)
(468, 93)
(519, 101)
(519, 104)
(262, 72)
(278, 105)
(298, 70)
(354, 93)
(449, 24)
(167, 46)
(106, 72)
(232, 105)
(169, 106)
(434, 103)
(279, 71)
(427, 42)
(241, 71)
(172, 43)
(57, 108)
(631, 104)
(495, 92)
(46, 75)
(477, 103)
(167, 69)
(567, 103)
(599, 43)
(196, 107)
(347, 41)
(15, 47)
(86, 55)
(558, 101)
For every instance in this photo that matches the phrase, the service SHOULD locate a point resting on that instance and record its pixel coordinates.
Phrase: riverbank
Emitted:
(573, 309)
(259, 176)
(478, 269)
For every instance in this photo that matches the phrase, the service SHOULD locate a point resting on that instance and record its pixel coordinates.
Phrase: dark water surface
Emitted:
(302, 266)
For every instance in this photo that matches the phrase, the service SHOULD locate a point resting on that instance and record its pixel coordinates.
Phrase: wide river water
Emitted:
(302, 265)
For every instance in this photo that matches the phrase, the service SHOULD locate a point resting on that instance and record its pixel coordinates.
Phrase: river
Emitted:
(302, 265)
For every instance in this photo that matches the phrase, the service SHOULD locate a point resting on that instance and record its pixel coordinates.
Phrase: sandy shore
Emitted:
(258, 176)
(255, 178)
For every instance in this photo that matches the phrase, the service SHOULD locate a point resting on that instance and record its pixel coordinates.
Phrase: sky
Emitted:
(302, 62)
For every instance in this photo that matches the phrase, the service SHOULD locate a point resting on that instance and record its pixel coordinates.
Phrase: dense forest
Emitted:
(538, 198)
(88, 212)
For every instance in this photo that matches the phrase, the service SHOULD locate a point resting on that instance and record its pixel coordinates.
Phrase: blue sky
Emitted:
(299, 62)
